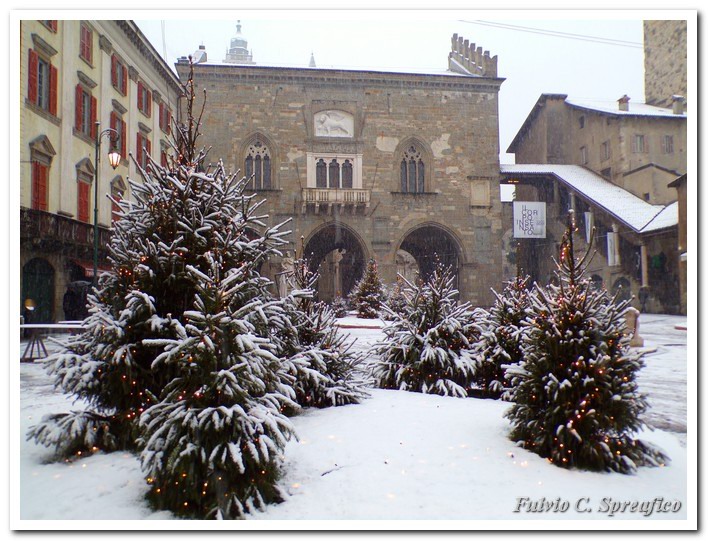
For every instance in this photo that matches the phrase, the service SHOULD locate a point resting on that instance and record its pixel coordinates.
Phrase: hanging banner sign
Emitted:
(529, 220)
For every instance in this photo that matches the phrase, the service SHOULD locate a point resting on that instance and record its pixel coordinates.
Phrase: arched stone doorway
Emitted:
(38, 286)
(430, 244)
(339, 256)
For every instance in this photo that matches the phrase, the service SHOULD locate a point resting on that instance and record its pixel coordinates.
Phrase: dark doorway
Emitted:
(337, 253)
(430, 245)
(38, 290)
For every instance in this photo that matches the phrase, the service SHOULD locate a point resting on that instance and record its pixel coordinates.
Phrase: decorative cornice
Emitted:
(338, 78)
(42, 46)
(118, 106)
(86, 80)
(132, 73)
(105, 44)
(144, 127)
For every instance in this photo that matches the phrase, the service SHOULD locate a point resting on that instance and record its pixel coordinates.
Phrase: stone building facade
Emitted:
(74, 74)
(399, 167)
(665, 61)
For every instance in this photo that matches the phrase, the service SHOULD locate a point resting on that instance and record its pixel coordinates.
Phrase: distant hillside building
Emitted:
(613, 163)
(401, 167)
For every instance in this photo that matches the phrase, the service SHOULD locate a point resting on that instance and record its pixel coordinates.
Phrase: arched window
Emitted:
(347, 174)
(258, 166)
(412, 171)
(334, 173)
(321, 174)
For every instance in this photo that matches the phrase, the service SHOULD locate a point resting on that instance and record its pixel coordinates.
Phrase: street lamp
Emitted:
(114, 160)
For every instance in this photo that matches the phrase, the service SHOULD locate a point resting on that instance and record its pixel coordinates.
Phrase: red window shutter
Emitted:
(32, 68)
(147, 146)
(148, 96)
(114, 71)
(124, 80)
(140, 96)
(83, 205)
(139, 150)
(94, 107)
(115, 208)
(122, 139)
(39, 186)
(53, 81)
(79, 109)
(53, 26)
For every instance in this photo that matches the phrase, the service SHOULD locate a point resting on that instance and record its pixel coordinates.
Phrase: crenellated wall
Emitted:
(467, 58)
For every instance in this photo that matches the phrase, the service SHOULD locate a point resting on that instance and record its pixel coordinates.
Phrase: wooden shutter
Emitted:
(94, 107)
(32, 79)
(139, 151)
(39, 186)
(79, 108)
(122, 140)
(83, 204)
(149, 101)
(140, 96)
(124, 80)
(114, 71)
(53, 94)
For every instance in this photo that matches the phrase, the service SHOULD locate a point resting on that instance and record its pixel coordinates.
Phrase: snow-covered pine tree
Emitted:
(426, 347)
(180, 217)
(575, 391)
(396, 301)
(321, 359)
(500, 342)
(212, 447)
(340, 307)
(368, 294)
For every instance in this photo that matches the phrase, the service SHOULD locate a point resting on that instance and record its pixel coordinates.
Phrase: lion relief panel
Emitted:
(334, 123)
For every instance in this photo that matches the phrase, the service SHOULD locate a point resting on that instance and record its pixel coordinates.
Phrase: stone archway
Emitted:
(430, 244)
(339, 256)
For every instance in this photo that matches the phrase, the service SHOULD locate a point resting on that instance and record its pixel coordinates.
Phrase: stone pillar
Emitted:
(645, 265)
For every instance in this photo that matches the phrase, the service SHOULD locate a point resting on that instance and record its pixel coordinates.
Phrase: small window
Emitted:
(258, 166)
(86, 43)
(667, 144)
(605, 150)
(607, 173)
(638, 144)
(51, 25)
(42, 83)
(144, 99)
(412, 171)
(85, 112)
(646, 197)
(584, 155)
(118, 141)
(581, 122)
(119, 75)
(143, 150)
(165, 117)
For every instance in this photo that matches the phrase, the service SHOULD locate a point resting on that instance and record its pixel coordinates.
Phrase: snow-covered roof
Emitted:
(634, 108)
(629, 209)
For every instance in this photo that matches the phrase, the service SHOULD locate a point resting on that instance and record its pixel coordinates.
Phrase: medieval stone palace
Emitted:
(400, 167)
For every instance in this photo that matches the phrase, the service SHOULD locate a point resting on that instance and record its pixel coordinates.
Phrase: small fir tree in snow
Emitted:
(368, 294)
(575, 391)
(340, 307)
(427, 346)
(325, 368)
(396, 301)
(500, 341)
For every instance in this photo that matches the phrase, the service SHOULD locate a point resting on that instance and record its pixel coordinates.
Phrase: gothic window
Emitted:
(347, 174)
(258, 166)
(334, 173)
(412, 171)
(321, 174)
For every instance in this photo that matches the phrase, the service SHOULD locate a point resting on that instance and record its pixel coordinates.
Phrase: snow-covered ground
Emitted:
(398, 456)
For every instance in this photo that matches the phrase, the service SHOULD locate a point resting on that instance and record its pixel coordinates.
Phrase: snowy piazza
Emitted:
(361, 282)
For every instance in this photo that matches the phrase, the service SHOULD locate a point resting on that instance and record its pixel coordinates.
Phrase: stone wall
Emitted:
(665, 61)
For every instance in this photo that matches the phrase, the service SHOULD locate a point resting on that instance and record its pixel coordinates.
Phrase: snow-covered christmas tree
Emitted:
(325, 368)
(427, 346)
(575, 391)
(178, 358)
(500, 341)
(368, 294)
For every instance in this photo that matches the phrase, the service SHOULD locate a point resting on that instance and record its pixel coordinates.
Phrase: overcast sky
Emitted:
(594, 56)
